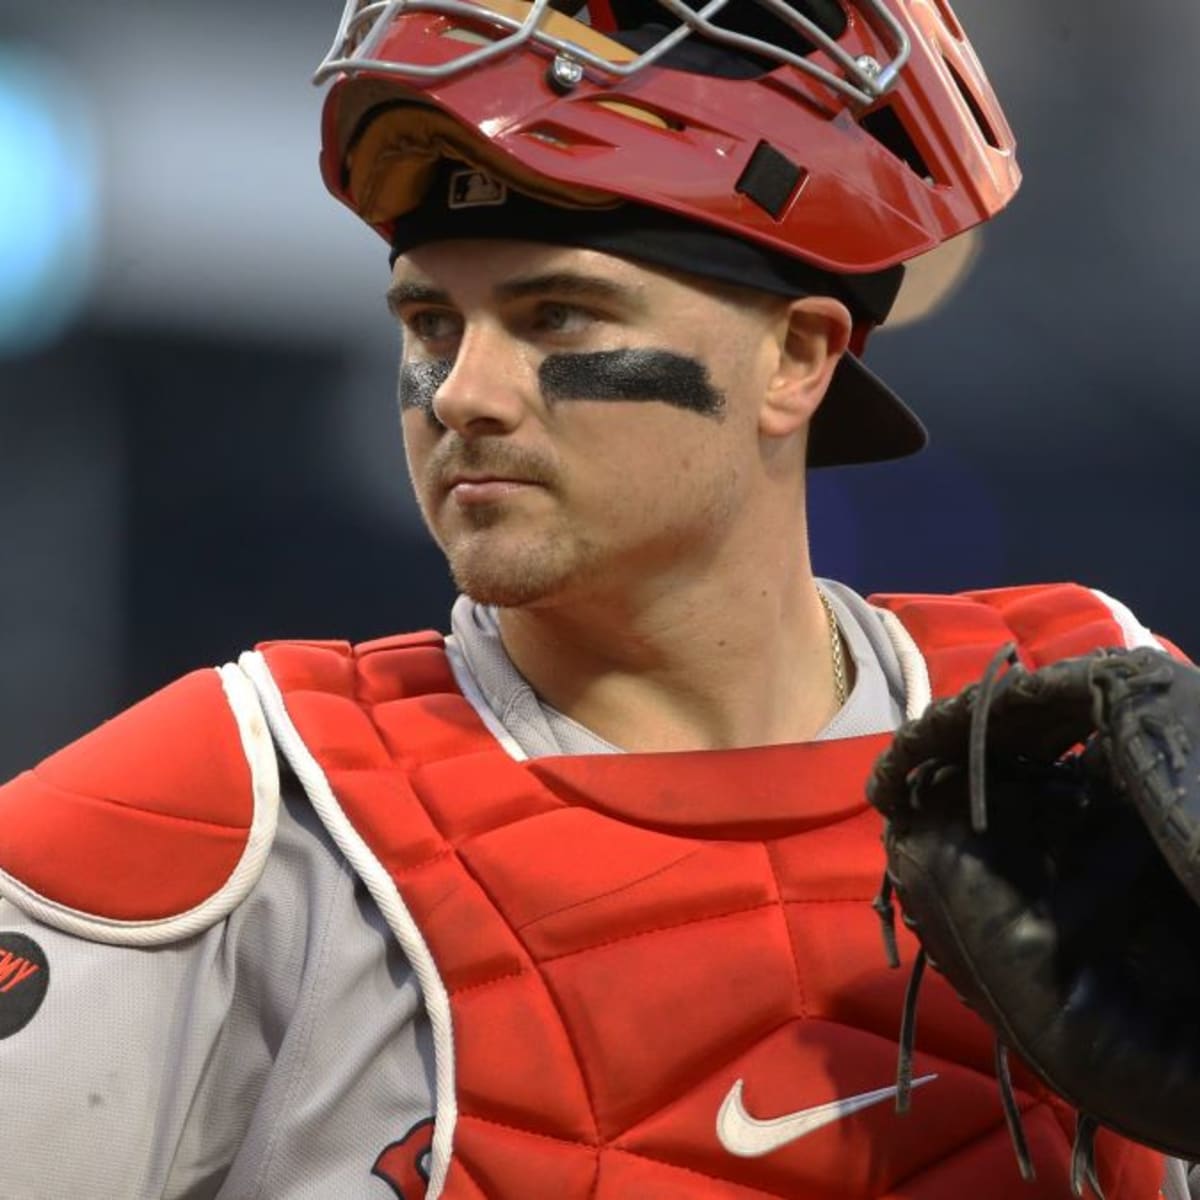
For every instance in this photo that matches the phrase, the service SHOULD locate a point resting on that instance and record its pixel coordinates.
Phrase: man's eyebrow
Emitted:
(557, 283)
(415, 291)
(570, 283)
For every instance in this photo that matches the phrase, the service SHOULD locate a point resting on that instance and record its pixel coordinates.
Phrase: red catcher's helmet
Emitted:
(865, 134)
(852, 135)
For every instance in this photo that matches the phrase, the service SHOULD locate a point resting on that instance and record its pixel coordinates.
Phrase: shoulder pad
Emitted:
(946, 642)
(153, 826)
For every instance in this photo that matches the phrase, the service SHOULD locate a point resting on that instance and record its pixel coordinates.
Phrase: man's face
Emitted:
(576, 424)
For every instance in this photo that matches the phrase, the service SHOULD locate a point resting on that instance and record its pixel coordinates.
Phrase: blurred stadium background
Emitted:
(198, 442)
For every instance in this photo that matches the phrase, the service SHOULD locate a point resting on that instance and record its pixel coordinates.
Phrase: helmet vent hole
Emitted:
(950, 20)
(562, 137)
(472, 37)
(981, 119)
(885, 126)
(551, 135)
(634, 111)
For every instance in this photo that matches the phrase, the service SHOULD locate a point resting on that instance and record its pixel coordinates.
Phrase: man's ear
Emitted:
(813, 334)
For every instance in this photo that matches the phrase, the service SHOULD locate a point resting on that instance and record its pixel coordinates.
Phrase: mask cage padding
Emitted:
(637, 18)
(886, 127)
(755, 20)
(696, 56)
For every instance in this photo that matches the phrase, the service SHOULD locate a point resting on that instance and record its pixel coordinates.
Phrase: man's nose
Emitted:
(486, 388)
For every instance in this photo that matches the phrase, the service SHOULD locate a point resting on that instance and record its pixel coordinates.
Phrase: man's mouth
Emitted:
(471, 488)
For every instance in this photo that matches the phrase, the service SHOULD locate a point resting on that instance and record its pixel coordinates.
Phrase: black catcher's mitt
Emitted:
(1043, 838)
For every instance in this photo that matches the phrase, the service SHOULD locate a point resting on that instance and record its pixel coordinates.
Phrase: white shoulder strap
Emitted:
(918, 691)
(385, 893)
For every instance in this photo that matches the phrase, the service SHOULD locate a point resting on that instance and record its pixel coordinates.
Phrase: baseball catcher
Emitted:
(572, 899)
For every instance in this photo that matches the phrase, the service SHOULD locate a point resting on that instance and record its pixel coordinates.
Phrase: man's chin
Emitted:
(519, 572)
(501, 596)
(506, 588)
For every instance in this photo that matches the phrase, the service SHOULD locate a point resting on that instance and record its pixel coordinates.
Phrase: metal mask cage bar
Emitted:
(364, 23)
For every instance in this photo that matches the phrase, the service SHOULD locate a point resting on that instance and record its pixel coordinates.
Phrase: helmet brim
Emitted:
(861, 420)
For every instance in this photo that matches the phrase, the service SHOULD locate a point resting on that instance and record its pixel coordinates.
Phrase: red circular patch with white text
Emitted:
(24, 978)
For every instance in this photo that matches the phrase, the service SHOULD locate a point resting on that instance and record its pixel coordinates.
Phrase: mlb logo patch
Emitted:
(475, 189)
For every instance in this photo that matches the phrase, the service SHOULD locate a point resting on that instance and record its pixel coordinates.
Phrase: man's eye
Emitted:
(431, 325)
(553, 317)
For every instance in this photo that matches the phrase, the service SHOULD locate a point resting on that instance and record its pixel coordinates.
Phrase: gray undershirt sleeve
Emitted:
(273, 1056)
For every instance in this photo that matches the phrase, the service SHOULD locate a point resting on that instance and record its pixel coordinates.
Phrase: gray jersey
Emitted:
(279, 1053)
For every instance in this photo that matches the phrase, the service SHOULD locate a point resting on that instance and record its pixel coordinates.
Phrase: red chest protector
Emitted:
(651, 977)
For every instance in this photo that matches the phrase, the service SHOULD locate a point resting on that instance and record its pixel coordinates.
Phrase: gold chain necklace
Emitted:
(835, 644)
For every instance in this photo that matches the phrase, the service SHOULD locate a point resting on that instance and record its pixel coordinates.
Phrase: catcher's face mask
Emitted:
(850, 134)
(772, 30)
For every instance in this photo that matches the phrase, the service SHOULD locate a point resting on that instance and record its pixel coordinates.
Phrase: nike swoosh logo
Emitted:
(748, 1137)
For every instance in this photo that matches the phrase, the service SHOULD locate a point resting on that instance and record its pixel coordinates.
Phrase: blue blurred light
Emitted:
(48, 199)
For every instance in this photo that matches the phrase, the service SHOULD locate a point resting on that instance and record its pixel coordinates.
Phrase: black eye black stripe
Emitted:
(644, 376)
(419, 383)
(639, 375)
